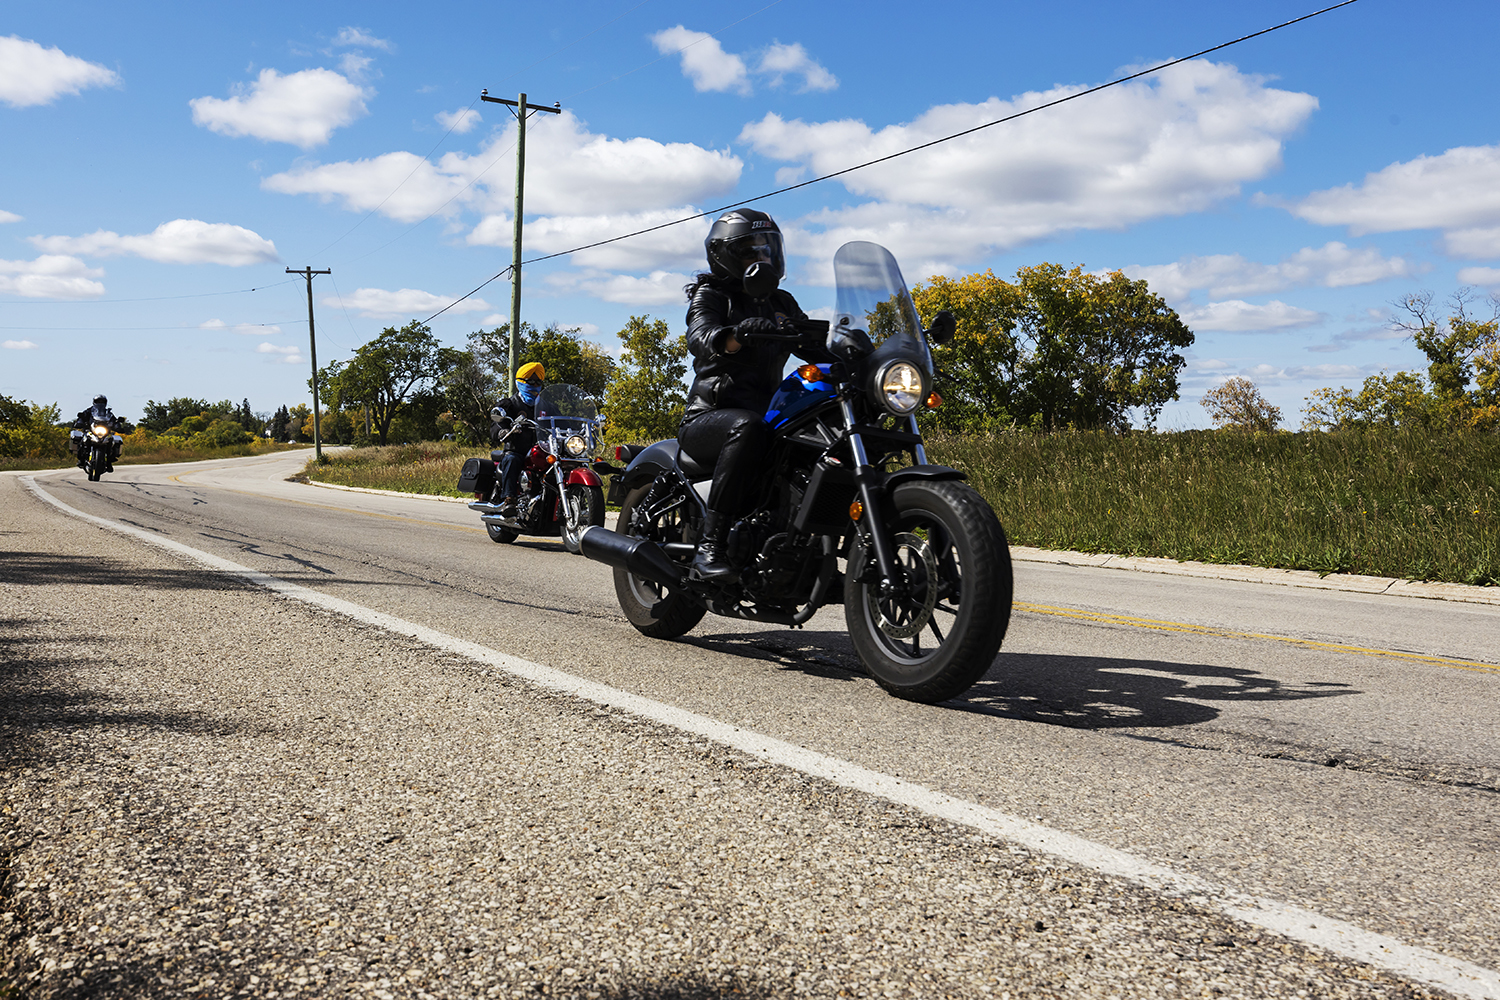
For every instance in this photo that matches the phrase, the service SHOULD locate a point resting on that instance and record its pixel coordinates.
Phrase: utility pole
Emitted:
(522, 112)
(312, 345)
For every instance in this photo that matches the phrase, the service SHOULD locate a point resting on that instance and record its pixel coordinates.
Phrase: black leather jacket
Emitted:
(747, 378)
(521, 441)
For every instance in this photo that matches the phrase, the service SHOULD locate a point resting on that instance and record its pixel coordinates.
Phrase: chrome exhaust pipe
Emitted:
(485, 508)
(640, 556)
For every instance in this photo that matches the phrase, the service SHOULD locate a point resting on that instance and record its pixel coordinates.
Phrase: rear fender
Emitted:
(650, 463)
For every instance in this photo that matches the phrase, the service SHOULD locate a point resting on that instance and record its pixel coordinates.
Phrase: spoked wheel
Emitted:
(651, 608)
(583, 507)
(502, 536)
(934, 641)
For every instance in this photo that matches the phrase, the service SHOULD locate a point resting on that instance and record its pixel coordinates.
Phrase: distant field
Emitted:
(1422, 506)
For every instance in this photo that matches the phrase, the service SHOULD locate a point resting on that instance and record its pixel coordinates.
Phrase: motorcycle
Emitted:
(560, 492)
(926, 575)
(96, 448)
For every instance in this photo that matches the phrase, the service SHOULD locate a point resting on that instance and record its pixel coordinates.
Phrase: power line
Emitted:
(199, 327)
(153, 298)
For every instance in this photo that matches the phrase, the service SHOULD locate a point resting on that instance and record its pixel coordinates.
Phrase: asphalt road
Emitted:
(214, 789)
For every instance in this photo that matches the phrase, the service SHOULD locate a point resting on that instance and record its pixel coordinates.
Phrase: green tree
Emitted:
(646, 399)
(569, 358)
(1056, 348)
(479, 377)
(1238, 404)
(162, 417)
(29, 430)
(388, 372)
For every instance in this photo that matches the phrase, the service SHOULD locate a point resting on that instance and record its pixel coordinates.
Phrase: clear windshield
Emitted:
(564, 410)
(872, 296)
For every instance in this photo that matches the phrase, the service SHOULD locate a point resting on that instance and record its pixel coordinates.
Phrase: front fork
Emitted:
(893, 583)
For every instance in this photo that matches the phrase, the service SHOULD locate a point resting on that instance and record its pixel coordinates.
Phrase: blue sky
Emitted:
(160, 161)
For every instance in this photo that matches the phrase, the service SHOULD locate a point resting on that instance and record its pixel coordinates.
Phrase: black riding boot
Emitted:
(711, 564)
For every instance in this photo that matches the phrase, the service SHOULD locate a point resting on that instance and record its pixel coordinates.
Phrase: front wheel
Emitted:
(583, 507)
(934, 642)
(651, 608)
(96, 463)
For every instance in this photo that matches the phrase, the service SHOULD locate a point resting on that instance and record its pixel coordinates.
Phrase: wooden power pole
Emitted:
(312, 350)
(522, 111)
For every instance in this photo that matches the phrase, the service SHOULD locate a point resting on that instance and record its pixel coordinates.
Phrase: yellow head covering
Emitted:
(529, 369)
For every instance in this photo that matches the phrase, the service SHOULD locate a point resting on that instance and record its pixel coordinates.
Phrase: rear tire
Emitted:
(651, 608)
(938, 641)
(583, 506)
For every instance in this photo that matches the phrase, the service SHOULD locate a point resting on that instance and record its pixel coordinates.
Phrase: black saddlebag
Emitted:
(478, 476)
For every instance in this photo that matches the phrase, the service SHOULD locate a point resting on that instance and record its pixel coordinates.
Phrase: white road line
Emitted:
(1307, 926)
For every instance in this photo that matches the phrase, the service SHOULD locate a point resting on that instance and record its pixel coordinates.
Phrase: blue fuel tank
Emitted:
(796, 396)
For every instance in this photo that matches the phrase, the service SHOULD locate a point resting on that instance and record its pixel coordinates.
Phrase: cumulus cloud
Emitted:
(1488, 277)
(360, 38)
(31, 74)
(710, 68)
(571, 172)
(8, 217)
(781, 61)
(704, 60)
(50, 276)
(675, 246)
(1332, 265)
(461, 121)
(655, 289)
(378, 303)
(1457, 191)
(285, 355)
(181, 241)
(245, 329)
(1238, 316)
(301, 108)
(18, 345)
(1175, 143)
(1303, 373)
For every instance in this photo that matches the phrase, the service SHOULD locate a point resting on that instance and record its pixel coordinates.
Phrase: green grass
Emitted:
(428, 467)
(1407, 504)
(155, 455)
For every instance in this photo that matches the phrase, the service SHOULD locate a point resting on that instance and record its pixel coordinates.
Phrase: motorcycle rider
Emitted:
(98, 413)
(723, 425)
(515, 436)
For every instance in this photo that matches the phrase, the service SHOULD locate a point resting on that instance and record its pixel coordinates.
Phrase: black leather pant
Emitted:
(734, 444)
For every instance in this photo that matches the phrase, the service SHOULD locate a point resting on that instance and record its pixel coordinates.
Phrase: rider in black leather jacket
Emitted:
(99, 413)
(724, 426)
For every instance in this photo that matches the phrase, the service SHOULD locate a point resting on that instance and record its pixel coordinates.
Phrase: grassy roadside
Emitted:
(153, 456)
(1413, 505)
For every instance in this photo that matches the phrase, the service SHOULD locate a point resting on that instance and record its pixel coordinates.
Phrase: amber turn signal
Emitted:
(934, 401)
(810, 373)
(855, 510)
(551, 459)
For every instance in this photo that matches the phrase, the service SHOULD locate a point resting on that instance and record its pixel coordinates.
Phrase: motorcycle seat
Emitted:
(694, 471)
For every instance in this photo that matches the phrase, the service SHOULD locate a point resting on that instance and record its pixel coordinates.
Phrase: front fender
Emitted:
(583, 477)
(894, 479)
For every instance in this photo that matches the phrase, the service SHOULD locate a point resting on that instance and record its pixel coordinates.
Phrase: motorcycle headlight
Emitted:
(901, 387)
(575, 445)
(100, 430)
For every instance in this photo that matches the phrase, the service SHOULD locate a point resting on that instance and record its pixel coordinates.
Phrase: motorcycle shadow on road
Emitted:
(1100, 692)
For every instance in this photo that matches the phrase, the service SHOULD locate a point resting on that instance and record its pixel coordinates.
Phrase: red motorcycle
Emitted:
(561, 494)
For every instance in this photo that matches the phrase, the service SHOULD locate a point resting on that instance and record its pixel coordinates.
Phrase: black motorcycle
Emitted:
(926, 576)
(96, 446)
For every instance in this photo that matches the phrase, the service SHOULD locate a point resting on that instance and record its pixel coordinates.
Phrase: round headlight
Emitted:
(901, 387)
(576, 445)
(100, 430)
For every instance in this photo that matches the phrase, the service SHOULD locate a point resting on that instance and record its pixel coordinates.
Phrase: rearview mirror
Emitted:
(944, 326)
(760, 279)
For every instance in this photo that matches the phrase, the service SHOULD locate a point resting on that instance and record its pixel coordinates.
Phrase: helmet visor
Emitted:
(757, 246)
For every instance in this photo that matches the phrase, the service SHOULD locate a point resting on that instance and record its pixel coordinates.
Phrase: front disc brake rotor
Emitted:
(915, 556)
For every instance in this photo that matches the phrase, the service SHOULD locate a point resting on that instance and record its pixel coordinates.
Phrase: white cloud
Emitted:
(244, 329)
(781, 60)
(181, 241)
(656, 289)
(377, 303)
(569, 172)
(1238, 316)
(50, 276)
(9, 216)
(1457, 191)
(1303, 373)
(267, 348)
(31, 75)
(704, 60)
(675, 246)
(1332, 265)
(213, 324)
(18, 345)
(361, 38)
(300, 108)
(1489, 277)
(461, 121)
(1173, 144)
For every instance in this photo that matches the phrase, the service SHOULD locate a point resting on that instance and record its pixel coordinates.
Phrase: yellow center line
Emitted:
(351, 510)
(1228, 633)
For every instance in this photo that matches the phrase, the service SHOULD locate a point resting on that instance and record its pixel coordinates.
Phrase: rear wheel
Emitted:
(583, 507)
(938, 639)
(651, 608)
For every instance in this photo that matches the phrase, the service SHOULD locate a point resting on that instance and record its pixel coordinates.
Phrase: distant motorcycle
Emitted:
(561, 494)
(96, 447)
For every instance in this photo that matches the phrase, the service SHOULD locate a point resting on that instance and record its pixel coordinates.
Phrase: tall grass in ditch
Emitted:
(427, 467)
(1409, 504)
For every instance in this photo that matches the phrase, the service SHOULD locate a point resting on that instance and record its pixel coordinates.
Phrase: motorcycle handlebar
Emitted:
(790, 330)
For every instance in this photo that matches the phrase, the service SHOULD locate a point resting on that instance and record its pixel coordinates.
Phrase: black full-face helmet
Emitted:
(100, 401)
(739, 238)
